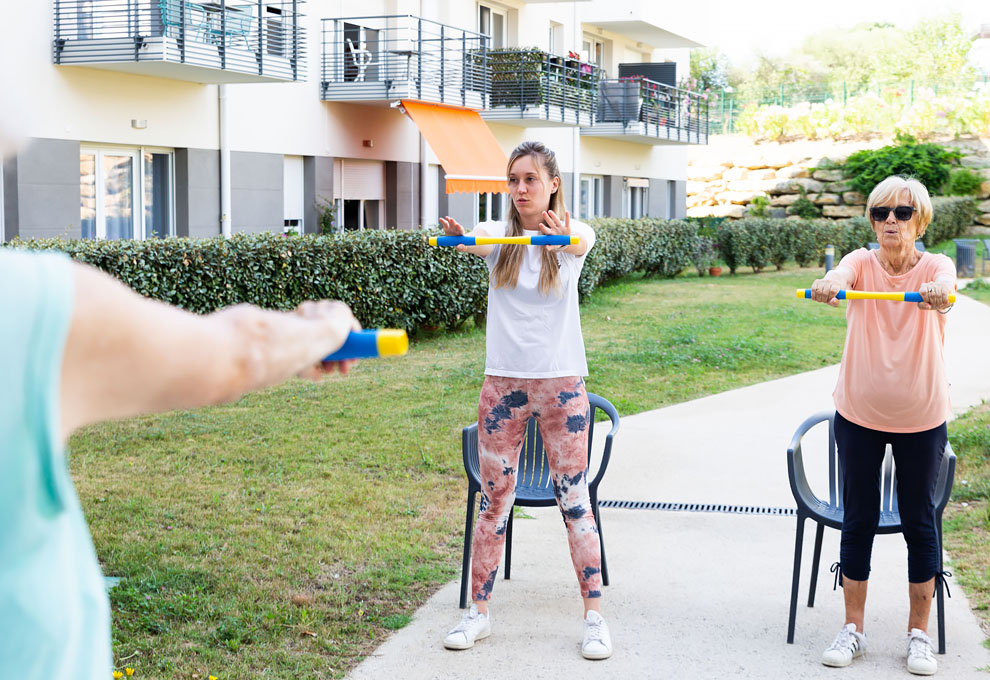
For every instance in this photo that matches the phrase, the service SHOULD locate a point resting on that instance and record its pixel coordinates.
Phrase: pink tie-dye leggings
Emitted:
(560, 406)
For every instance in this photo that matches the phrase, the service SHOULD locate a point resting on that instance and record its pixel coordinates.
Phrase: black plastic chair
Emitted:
(534, 486)
(918, 245)
(829, 512)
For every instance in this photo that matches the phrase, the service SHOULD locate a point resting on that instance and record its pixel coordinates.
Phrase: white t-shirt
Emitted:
(531, 335)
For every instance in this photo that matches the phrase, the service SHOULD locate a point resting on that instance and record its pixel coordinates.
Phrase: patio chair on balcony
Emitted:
(184, 18)
(360, 57)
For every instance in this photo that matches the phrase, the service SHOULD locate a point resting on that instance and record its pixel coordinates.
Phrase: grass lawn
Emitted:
(286, 534)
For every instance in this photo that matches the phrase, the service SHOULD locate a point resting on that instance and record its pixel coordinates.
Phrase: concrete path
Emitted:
(700, 595)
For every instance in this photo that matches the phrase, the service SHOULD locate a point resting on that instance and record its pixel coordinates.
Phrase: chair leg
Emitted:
(466, 562)
(601, 542)
(508, 543)
(795, 577)
(939, 595)
(814, 564)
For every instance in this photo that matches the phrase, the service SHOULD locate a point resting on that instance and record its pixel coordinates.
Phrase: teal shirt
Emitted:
(54, 611)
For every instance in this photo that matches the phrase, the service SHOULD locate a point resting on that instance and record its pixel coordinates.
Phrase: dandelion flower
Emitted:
(129, 671)
(117, 674)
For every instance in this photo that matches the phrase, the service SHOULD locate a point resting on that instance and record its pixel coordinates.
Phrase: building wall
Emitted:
(197, 192)
(41, 190)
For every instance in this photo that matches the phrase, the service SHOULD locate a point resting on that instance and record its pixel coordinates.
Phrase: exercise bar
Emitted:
(368, 344)
(546, 240)
(871, 295)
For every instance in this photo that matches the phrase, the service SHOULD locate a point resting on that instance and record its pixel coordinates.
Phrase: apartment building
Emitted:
(151, 118)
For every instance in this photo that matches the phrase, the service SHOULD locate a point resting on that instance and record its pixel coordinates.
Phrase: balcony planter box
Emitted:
(529, 77)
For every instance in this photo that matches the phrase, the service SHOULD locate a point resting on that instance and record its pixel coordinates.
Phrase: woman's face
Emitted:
(891, 232)
(530, 188)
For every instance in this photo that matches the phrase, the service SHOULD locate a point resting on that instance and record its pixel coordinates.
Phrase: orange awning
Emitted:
(468, 151)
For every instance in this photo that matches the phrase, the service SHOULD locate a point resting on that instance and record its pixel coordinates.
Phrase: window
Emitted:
(592, 196)
(556, 42)
(635, 197)
(492, 22)
(593, 50)
(490, 207)
(360, 214)
(125, 193)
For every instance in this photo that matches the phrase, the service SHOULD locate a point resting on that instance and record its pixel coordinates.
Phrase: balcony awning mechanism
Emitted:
(468, 151)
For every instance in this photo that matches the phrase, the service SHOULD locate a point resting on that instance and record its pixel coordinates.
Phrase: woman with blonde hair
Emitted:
(534, 367)
(892, 389)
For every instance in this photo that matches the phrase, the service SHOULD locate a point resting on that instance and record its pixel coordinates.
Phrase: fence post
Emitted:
(829, 258)
(845, 93)
(780, 100)
(732, 122)
(911, 101)
(721, 101)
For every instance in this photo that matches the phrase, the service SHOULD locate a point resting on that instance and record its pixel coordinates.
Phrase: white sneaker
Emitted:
(920, 655)
(847, 646)
(474, 626)
(597, 642)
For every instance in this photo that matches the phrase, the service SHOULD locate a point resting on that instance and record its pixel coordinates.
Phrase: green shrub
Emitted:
(951, 217)
(759, 207)
(929, 163)
(804, 207)
(963, 182)
(803, 239)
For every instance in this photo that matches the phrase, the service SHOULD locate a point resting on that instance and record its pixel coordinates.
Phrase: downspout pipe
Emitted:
(225, 224)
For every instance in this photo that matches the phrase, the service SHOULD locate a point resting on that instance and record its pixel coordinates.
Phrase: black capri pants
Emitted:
(917, 458)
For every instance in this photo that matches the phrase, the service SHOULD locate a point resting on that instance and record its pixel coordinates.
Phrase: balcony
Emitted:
(386, 58)
(536, 89)
(203, 42)
(643, 111)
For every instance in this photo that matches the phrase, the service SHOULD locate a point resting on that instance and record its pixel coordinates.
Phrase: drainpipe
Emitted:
(423, 168)
(576, 133)
(225, 229)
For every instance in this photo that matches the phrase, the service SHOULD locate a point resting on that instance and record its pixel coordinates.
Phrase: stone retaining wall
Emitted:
(727, 188)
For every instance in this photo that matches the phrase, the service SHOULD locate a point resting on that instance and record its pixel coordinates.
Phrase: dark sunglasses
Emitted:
(901, 212)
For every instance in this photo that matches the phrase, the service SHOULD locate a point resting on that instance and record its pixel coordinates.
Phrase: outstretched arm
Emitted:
(126, 354)
(451, 227)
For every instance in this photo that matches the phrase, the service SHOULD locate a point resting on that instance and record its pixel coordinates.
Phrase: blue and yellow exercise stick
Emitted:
(368, 344)
(546, 240)
(871, 295)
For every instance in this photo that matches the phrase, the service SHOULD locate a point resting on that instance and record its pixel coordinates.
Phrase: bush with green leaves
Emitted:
(805, 208)
(951, 217)
(928, 163)
(963, 182)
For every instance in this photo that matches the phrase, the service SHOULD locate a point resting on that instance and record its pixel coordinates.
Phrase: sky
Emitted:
(741, 29)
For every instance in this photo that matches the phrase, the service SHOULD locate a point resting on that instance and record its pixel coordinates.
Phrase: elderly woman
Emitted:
(892, 389)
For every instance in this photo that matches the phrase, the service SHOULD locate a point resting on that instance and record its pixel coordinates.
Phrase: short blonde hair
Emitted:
(887, 191)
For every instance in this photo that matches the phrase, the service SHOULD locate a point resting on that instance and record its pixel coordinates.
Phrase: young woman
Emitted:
(534, 367)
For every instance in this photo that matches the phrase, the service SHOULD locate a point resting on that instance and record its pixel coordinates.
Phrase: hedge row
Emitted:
(393, 279)
(760, 242)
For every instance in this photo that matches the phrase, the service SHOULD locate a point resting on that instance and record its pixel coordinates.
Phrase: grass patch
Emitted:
(286, 534)
(978, 289)
(967, 519)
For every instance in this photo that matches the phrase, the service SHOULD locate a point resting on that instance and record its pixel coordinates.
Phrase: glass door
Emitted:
(125, 193)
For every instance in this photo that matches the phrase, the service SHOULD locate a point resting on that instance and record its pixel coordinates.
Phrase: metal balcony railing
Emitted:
(529, 84)
(265, 37)
(403, 57)
(655, 111)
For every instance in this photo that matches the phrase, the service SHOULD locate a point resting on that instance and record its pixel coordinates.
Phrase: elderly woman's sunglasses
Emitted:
(901, 212)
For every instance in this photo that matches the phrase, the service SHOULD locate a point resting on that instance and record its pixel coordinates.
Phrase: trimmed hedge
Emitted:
(389, 278)
(759, 242)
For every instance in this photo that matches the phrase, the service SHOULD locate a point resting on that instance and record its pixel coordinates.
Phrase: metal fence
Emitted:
(243, 35)
(665, 112)
(725, 105)
(527, 80)
(389, 57)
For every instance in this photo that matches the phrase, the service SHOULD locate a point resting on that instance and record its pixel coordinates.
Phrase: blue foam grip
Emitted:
(546, 240)
(912, 297)
(359, 345)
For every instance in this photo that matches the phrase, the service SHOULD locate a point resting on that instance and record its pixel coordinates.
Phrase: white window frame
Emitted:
(494, 10)
(299, 191)
(595, 186)
(339, 213)
(555, 41)
(589, 55)
(137, 191)
(490, 199)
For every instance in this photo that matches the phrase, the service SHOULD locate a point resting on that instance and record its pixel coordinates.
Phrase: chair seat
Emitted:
(535, 496)
(831, 516)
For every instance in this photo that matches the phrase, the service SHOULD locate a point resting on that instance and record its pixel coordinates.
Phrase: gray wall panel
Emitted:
(443, 202)
(680, 200)
(658, 198)
(401, 195)
(197, 192)
(567, 184)
(10, 198)
(612, 200)
(256, 192)
(44, 190)
(460, 206)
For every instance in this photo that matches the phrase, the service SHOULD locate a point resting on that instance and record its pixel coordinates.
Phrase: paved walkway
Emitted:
(700, 595)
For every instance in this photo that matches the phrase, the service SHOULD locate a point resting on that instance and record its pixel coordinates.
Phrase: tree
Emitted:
(709, 68)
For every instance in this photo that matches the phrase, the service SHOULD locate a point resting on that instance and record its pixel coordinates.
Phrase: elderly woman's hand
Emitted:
(825, 290)
(935, 296)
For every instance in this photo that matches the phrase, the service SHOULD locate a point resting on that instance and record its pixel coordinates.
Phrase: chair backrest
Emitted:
(873, 245)
(919, 245)
(239, 20)
(533, 471)
(986, 248)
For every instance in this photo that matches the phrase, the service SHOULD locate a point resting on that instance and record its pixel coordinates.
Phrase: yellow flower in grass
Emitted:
(129, 671)
(117, 675)
(213, 677)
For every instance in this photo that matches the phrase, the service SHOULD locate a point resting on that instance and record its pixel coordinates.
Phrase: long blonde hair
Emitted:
(506, 271)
